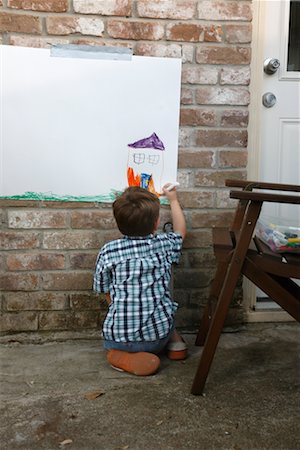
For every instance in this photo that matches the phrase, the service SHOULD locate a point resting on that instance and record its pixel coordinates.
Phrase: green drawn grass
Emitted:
(49, 196)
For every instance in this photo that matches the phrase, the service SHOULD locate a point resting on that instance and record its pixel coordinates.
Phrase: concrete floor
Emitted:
(251, 397)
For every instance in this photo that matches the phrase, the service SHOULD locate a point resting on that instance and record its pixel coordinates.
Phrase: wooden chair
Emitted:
(239, 253)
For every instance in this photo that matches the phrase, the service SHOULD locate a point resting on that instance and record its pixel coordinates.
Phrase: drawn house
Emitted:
(146, 163)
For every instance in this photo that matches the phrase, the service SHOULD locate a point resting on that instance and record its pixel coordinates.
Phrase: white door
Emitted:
(279, 159)
(274, 133)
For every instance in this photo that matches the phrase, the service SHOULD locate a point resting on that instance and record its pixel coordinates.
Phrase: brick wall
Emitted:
(49, 249)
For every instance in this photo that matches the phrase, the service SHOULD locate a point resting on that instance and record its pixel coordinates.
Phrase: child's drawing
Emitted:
(146, 163)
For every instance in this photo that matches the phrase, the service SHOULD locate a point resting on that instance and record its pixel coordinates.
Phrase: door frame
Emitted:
(254, 150)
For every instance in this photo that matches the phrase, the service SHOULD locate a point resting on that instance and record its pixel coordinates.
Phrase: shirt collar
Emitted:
(149, 236)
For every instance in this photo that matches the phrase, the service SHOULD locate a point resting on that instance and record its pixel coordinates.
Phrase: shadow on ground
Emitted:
(251, 397)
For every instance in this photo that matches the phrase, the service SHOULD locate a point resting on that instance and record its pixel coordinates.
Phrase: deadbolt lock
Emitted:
(269, 99)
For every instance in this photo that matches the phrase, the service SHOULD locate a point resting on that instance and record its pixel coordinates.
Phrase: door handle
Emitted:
(269, 99)
(271, 65)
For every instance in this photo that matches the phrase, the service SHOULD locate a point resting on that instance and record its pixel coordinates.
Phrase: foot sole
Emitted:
(140, 363)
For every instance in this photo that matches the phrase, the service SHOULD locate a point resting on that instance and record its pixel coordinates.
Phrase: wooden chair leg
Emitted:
(211, 303)
(224, 300)
(213, 336)
(205, 323)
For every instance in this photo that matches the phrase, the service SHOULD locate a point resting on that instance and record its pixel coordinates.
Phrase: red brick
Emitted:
(195, 159)
(198, 300)
(187, 317)
(2, 263)
(54, 320)
(187, 96)
(181, 296)
(187, 137)
(213, 33)
(83, 260)
(101, 220)
(65, 281)
(16, 301)
(224, 10)
(217, 178)
(21, 321)
(198, 239)
(65, 205)
(39, 5)
(166, 9)
(164, 215)
(223, 55)
(20, 23)
(233, 158)
(110, 236)
(41, 261)
(64, 25)
(17, 240)
(185, 32)
(104, 7)
(72, 240)
(158, 49)
(37, 219)
(65, 320)
(168, 50)
(192, 278)
(234, 118)
(36, 42)
(238, 34)
(208, 95)
(208, 219)
(130, 29)
(197, 117)
(18, 282)
(201, 258)
(199, 74)
(5, 202)
(223, 200)
(86, 301)
(198, 199)
(86, 319)
(187, 53)
(221, 138)
(97, 41)
(240, 76)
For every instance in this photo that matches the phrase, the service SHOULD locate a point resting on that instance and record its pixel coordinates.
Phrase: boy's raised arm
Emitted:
(179, 225)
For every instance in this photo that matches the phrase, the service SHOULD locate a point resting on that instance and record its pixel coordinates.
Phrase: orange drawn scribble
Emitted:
(151, 187)
(135, 180)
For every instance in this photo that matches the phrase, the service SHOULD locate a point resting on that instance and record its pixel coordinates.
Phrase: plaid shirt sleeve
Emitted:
(175, 240)
(102, 275)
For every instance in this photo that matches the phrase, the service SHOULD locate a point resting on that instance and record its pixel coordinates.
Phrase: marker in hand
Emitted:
(172, 185)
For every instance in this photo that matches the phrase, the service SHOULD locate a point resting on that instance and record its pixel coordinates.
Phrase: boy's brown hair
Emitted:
(136, 211)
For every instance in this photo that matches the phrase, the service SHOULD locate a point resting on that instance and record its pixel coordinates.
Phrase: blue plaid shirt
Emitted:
(136, 271)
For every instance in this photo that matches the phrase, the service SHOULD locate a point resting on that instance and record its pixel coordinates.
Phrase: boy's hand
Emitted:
(170, 194)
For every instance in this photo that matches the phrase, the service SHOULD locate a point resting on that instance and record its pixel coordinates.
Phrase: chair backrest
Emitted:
(247, 194)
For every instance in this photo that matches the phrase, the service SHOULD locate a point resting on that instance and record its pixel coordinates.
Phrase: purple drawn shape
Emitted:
(152, 141)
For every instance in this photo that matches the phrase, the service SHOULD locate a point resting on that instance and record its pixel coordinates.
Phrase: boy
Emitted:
(134, 272)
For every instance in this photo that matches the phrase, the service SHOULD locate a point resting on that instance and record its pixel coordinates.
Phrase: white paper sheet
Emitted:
(66, 122)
